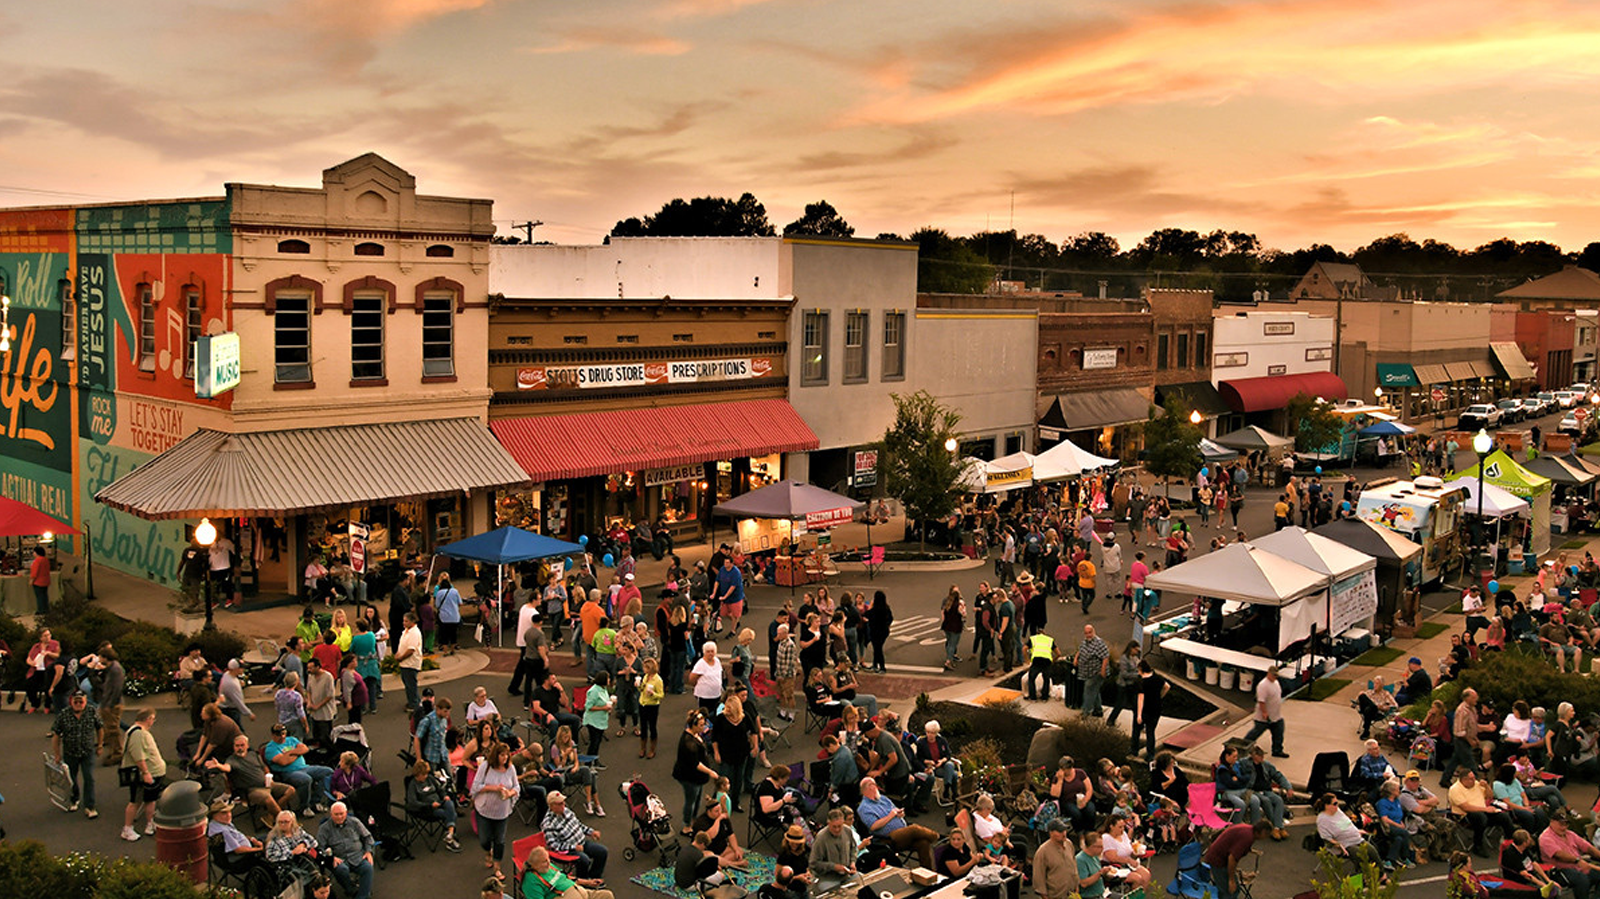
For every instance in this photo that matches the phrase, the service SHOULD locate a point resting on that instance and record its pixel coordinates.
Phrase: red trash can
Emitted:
(181, 831)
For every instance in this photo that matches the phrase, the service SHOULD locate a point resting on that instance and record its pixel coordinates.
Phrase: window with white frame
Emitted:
(193, 323)
(147, 327)
(438, 334)
(855, 347)
(366, 335)
(814, 344)
(291, 332)
(894, 346)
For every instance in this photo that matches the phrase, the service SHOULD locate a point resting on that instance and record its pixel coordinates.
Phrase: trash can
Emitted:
(181, 830)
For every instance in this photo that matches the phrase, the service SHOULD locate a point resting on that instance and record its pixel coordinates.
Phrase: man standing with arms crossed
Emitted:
(409, 657)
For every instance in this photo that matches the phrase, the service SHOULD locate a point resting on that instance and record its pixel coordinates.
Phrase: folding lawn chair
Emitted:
(1202, 809)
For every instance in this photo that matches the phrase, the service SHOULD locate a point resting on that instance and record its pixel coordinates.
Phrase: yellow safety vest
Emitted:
(1041, 646)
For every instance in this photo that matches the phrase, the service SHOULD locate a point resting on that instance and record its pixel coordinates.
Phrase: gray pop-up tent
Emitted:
(1250, 438)
(1398, 559)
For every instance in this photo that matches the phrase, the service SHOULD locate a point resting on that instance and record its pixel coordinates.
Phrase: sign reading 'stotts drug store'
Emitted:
(216, 365)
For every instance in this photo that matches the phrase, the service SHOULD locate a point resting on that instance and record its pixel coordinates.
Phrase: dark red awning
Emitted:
(1263, 394)
(587, 444)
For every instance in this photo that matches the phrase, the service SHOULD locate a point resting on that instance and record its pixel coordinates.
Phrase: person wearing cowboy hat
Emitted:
(234, 842)
(795, 853)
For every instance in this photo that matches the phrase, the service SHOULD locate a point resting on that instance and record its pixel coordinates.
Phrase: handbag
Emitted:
(128, 775)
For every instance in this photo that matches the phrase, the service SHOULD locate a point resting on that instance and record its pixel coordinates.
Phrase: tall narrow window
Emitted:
(366, 335)
(814, 343)
(1201, 360)
(69, 320)
(147, 328)
(1162, 348)
(1183, 350)
(193, 322)
(855, 347)
(438, 334)
(291, 331)
(894, 346)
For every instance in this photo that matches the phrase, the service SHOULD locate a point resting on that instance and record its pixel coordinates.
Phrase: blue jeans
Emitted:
(952, 646)
(691, 801)
(81, 768)
(591, 859)
(1275, 728)
(1091, 694)
(355, 877)
(305, 779)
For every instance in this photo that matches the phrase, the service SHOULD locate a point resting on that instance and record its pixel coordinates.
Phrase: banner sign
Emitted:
(1008, 478)
(866, 468)
(827, 518)
(1099, 359)
(641, 374)
(1353, 601)
(655, 477)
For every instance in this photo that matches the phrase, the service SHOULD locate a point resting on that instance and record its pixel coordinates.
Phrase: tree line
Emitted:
(1233, 264)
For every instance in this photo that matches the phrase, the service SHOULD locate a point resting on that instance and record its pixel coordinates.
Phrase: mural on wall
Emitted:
(136, 398)
(36, 432)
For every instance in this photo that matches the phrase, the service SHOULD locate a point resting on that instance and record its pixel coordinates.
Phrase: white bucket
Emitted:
(1193, 670)
(1229, 675)
(1212, 673)
(1247, 680)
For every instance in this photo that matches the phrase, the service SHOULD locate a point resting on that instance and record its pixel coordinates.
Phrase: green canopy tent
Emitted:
(1506, 473)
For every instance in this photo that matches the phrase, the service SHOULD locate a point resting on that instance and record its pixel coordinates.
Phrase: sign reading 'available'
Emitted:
(640, 374)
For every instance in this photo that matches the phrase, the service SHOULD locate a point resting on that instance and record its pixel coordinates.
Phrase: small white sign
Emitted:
(216, 365)
(1093, 359)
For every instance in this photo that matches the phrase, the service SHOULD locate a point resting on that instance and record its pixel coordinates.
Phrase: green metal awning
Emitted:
(1394, 374)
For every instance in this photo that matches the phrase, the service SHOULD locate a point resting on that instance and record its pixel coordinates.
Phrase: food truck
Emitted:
(1426, 511)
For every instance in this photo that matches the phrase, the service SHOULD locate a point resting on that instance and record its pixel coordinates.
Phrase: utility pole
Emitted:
(526, 228)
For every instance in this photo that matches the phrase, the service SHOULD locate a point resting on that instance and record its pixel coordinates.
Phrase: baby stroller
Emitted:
(651, 826)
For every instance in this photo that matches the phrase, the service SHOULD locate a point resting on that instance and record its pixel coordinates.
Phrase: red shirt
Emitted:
(1234, 841)
(39, 572)
(327, 655)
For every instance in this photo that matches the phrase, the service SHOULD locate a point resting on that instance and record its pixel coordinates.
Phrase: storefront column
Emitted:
(296, 554)
(741, 476)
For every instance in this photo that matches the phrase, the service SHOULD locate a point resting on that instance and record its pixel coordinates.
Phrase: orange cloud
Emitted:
(1317, 51)
(637, 43)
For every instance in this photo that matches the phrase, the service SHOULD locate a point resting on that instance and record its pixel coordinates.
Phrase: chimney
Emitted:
(1102, 290)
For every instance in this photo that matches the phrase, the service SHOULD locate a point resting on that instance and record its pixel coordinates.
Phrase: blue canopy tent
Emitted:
(1387, 429)
(504, 546)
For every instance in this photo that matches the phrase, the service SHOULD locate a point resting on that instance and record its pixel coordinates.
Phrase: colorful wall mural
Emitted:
(95, 383)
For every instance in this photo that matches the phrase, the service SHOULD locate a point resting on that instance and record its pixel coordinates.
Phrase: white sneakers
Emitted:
(130, 834)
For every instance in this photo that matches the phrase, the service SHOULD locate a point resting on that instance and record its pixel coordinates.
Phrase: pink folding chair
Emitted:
(1203, 811)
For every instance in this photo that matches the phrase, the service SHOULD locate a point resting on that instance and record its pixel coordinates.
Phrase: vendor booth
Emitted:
(1253, 439)
(22, 527)
(1352, 601)
(506, 546)
(1265, 590)
(1215, 453)
(1397, 560)
(1506, 473)
(1569, 479)
(1504, 522)
(787, 520)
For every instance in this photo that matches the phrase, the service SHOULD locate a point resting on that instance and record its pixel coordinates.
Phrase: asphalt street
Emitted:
(915, 653)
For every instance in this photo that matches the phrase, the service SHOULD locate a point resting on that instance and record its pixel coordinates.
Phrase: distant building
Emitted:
(1570, 288)
(1339, 281)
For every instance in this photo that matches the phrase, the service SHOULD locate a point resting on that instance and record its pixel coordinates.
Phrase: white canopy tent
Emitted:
(1066, 460)
(1241, 572)
(1351, 578)
(1062, 461)
(1008, 473)
(1498, 502)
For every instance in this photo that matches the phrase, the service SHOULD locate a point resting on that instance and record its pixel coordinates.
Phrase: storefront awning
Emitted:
(219, 475)
(1460, 371)
(1430, 374)
(1096, 409)
(1511, 361)
(1199, 396)
(1483, 370)
(1264, 394)
(1392, 374)
(588, 444)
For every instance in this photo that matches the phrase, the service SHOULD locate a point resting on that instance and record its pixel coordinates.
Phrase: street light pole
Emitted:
(1481, 444)
(205, 534)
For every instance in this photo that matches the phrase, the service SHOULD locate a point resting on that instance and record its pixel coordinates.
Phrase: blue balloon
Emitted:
(1319, 469)
(1494, 586)
(1205, 470)
(608, 560)
(583, 539)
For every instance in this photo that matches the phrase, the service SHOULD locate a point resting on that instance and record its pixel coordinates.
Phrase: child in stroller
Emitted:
(650, 824)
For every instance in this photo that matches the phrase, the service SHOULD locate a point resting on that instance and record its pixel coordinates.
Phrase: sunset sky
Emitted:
(1299, 120)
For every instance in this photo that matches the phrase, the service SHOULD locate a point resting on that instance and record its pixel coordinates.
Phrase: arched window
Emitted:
(441, 251)
(293, 246)
(369, 249)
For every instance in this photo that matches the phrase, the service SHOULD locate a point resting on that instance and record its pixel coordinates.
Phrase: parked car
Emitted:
(1548, 400)
(1510, 410)
(1565, 398)
(1481, 415)
(1532, 407)
(1570, 425)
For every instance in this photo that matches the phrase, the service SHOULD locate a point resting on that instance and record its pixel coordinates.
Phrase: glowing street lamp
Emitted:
(205, 534)
(1482, 443)
(1195, 417)
(950, 444)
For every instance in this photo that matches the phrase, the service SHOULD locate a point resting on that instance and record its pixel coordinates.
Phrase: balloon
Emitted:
(608, 560)
(1494, 586)
(583, 539)
(1205, 470)
(1319, 469)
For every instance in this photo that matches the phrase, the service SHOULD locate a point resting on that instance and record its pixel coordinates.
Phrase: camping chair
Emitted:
(767, 709)
(761, 827)
(520, 849)
(817, 718)
(392, 834)
(1330, 773)
(250, 874)
(1193, 879)
(1203, 811)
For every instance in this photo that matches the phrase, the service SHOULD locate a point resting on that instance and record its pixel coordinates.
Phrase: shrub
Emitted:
(1091, 739)
(1502, 678)
(28, 869)
(18, 638)
(218, 646)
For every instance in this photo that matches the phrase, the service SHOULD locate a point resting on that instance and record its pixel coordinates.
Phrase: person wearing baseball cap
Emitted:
(1418, 685)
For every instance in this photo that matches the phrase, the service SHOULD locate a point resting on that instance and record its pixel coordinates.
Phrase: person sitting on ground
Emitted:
(884, 820)
(716, 825)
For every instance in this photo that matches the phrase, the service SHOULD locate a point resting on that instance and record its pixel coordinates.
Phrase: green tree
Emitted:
(1312, 424)
(701, 217)
(821, 219)
(948, 265)
(918, 468)
(1171, 444)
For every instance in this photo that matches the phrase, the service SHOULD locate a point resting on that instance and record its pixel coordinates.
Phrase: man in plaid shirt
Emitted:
(1092, 662)
(429, 739)
(787, 670)
(565, 834)
(75, 737)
